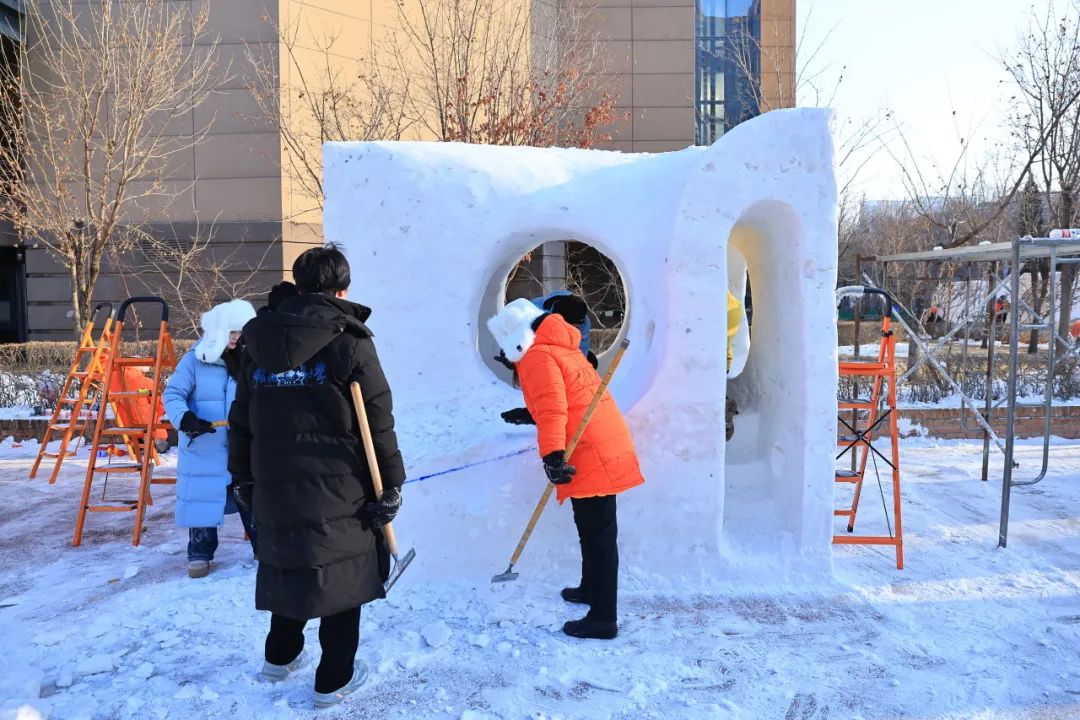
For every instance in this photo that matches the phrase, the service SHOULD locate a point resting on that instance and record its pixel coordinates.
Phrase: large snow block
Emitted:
(434, 229)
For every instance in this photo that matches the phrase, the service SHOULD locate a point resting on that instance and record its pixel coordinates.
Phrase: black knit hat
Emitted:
(279, 292)
(571, 307)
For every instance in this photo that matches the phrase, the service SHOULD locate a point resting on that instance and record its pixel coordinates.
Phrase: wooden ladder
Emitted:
(881, 420)
(88, 374)
(140, 440)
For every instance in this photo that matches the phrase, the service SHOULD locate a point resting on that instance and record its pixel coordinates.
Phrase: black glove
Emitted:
(558, 472)
(382, 512)
(193, 426)
(518, 416)
(242, 494)
(504, 361)
(593, 360)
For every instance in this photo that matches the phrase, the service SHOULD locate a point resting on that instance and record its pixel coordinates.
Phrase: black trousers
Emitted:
(598, 531)
(339, 636)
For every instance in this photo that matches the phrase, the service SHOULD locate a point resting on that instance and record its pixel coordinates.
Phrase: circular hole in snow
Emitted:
(577, 267)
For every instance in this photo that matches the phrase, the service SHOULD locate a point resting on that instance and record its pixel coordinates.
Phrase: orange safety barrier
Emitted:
(135, 424)
(881, 419)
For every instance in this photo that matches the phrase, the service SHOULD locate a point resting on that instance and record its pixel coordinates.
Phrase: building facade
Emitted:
(693, 69)
(688, 71)
(231, 181)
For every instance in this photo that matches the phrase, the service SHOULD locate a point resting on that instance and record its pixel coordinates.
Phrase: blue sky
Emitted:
(921, 59)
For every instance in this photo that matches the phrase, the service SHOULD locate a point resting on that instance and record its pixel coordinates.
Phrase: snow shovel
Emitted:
(400, 563)
(510, 574)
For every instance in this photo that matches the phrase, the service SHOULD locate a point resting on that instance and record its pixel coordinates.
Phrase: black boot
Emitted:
(575, 595)
(591, 629)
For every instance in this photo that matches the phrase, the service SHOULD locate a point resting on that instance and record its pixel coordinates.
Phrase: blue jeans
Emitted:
(203, 542)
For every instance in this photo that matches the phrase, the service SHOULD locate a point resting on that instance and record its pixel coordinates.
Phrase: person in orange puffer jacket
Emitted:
(559, 383)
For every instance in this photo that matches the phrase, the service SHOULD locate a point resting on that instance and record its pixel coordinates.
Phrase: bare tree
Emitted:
(1045, 69)
(487, 71)
(89, 111)
(1030, 222)
(339, 97)
(191, 272)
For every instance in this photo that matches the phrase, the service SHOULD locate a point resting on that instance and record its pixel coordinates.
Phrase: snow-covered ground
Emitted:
(106, 630)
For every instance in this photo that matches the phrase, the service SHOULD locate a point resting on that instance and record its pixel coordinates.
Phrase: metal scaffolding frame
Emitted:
(1005, 262)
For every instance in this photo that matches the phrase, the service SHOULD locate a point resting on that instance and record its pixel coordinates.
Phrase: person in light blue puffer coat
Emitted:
(199, 394)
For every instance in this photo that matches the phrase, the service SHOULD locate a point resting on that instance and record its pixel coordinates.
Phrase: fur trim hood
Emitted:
(512, 328)
(217, 323)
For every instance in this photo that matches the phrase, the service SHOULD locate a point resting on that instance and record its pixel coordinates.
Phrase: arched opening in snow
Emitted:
(739, 286)
(763, 505)
(560, 263)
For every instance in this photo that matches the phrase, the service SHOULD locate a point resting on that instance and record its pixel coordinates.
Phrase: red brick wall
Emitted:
(945, 424)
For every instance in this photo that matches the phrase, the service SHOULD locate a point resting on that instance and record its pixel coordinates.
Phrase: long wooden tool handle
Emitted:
(570, 449)
(373, 462)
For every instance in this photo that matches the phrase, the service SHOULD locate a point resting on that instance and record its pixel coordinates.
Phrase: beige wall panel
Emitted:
(319, 29)
(620, 86)
(292, 250)
(232, 111)
(777, 9)
(239, 21)
(345, 9)
(617, 145)
(655, 146)
(778, 32)
(233, 67)
(50, 319)
(663, 56)
(617, 55)
(40, 260)
(239, 199)
(613, 3)
(662, 123)
(664, 90)
(672, 23)
(612, 23)
(58, 289)
(238, 156)
(175, 203)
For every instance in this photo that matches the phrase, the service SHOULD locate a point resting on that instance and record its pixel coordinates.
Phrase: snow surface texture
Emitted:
(432, 232)
(963, 632)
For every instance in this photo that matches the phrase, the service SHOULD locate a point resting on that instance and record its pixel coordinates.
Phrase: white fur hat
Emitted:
(512, 328)
(217, 323)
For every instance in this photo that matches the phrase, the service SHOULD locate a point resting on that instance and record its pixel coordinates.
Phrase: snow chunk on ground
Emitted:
(94, 664)
(437, 634)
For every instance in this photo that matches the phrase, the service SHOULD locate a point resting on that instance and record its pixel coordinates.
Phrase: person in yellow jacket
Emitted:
(734, 317)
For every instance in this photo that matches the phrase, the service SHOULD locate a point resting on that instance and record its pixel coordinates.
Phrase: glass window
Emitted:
(713, 8)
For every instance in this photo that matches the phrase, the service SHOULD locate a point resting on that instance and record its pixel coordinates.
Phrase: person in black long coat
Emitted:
(296, 457)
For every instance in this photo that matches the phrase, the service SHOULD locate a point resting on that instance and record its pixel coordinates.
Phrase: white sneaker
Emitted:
(272, 673)
(360, 673)
(198, 568)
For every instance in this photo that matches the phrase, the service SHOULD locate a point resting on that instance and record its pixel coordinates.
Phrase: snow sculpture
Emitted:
(433, 230)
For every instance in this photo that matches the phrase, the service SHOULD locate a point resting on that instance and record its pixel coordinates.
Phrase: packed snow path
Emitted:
(966, 631)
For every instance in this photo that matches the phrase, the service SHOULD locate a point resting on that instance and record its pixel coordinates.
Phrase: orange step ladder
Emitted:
(881, 421)
(143, 456)
(88, 374)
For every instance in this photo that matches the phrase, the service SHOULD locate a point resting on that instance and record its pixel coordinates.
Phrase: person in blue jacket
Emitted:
(574, 311)
(199, 394)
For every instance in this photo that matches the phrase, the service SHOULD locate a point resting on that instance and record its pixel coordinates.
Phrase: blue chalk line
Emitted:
(469, 465)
